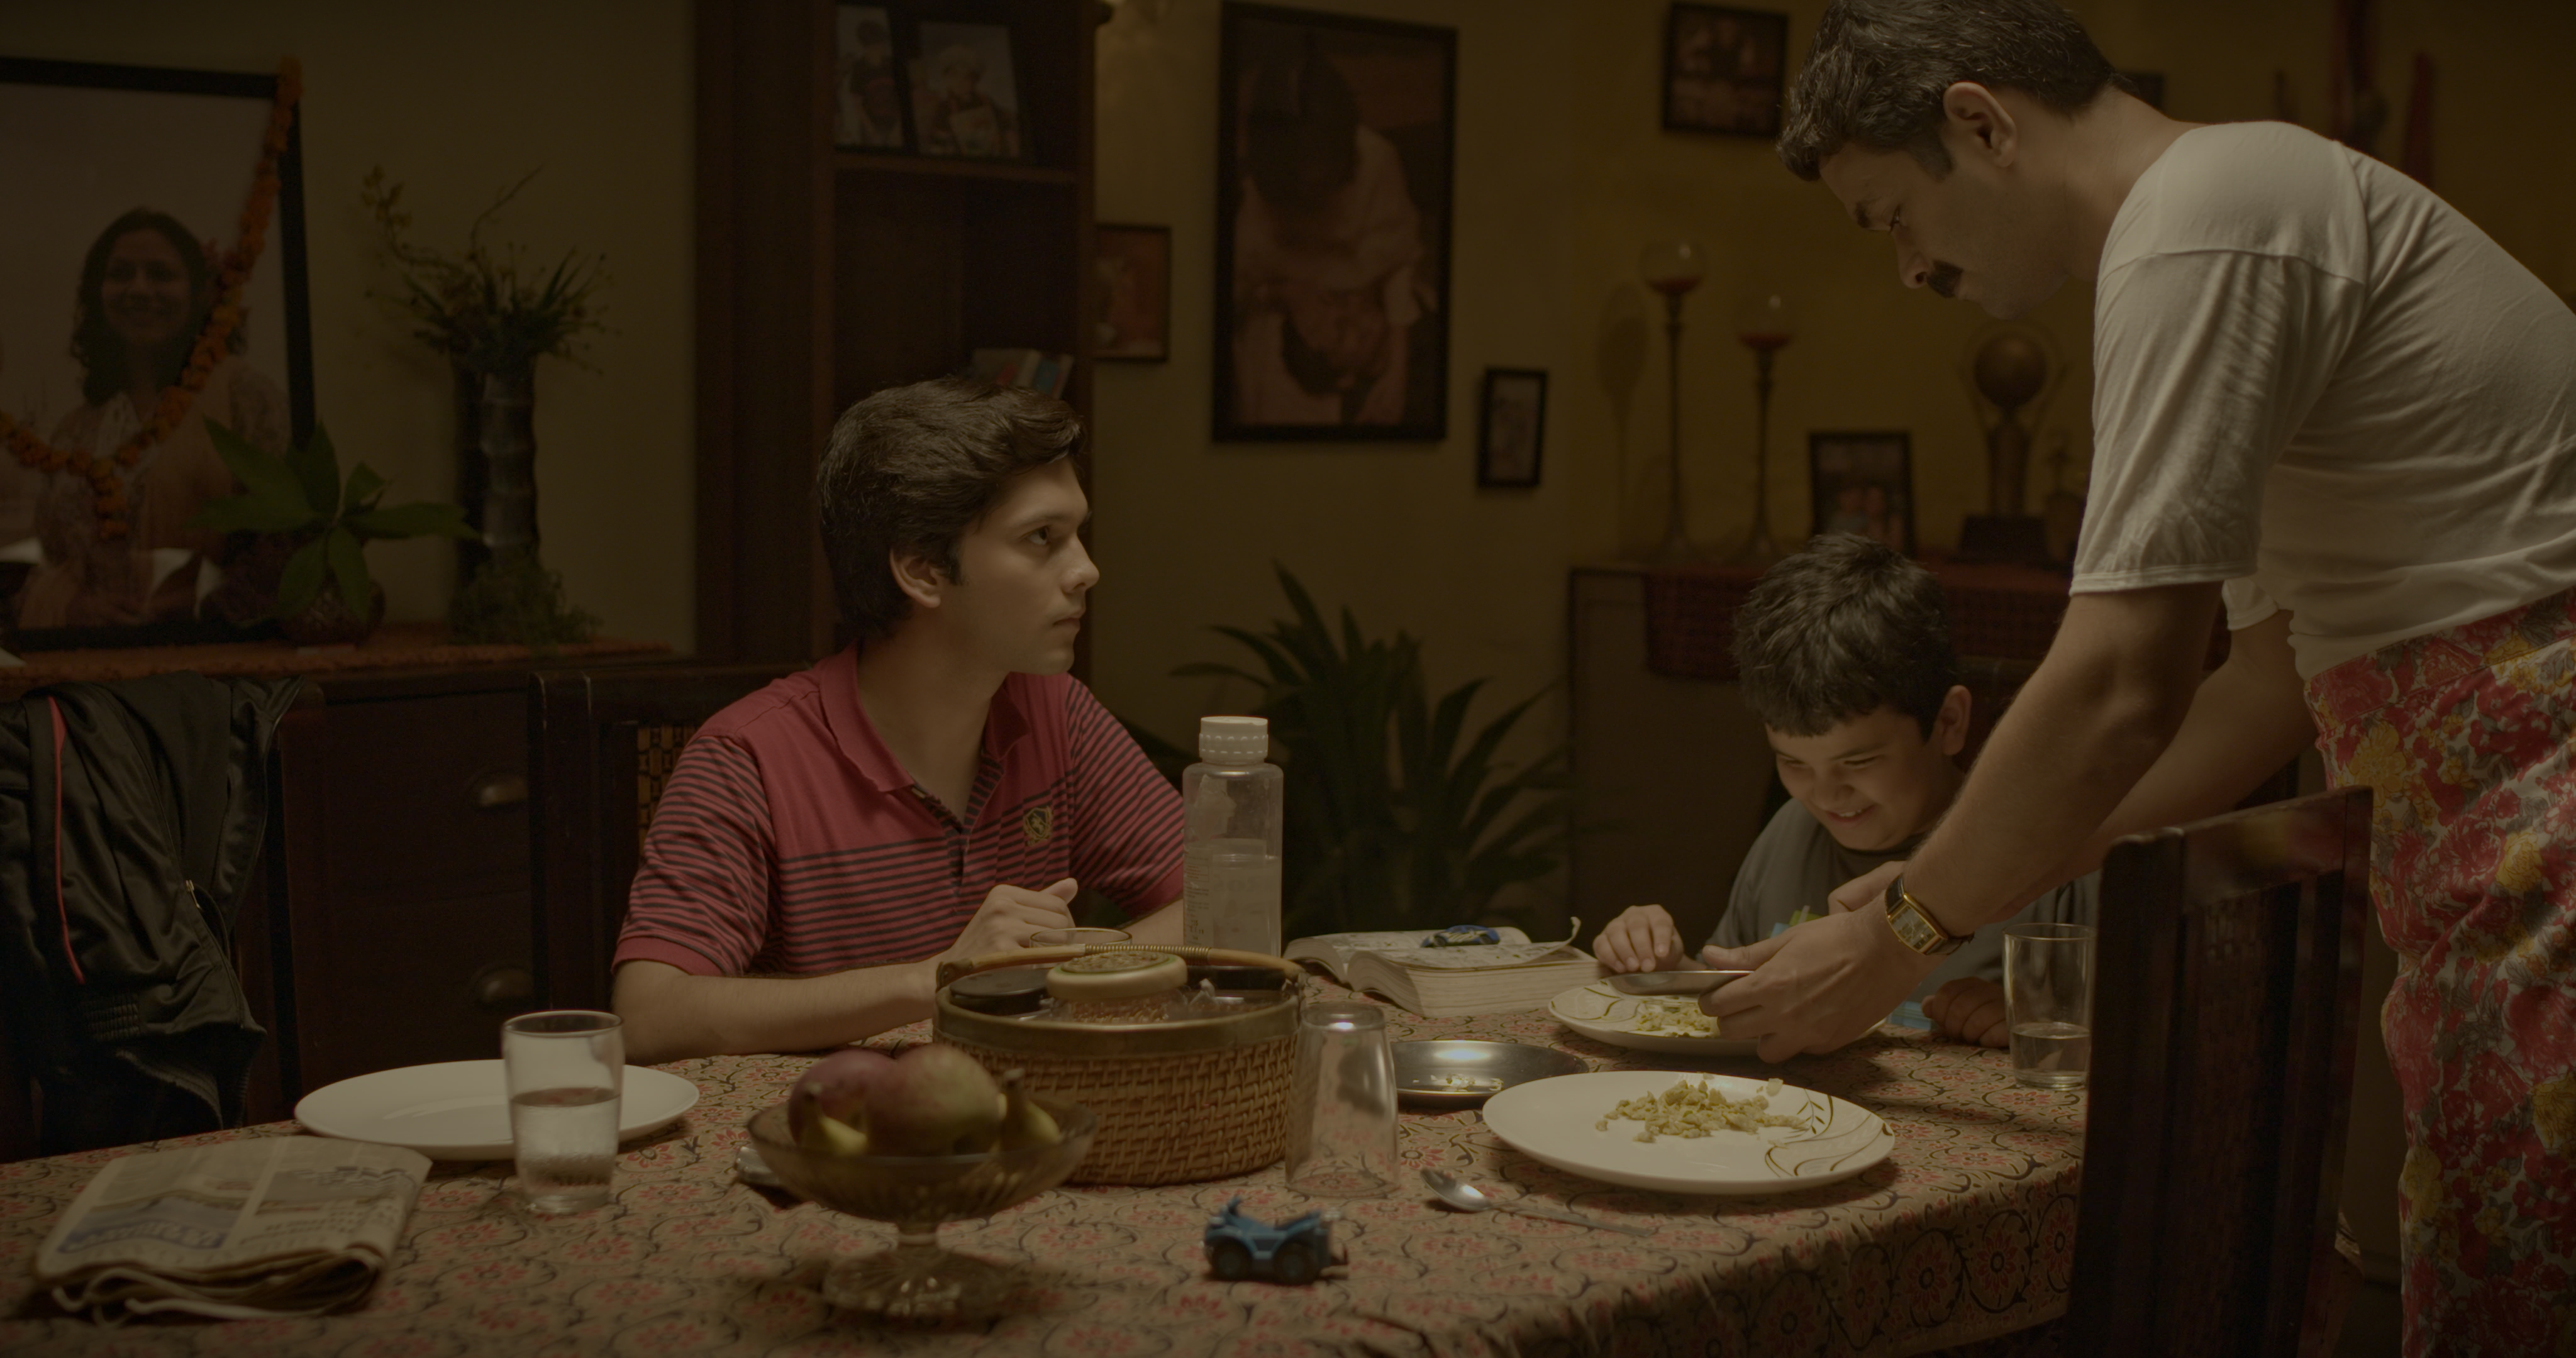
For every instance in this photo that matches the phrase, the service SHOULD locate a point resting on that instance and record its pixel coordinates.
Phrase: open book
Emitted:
(1485, 978)
(269, 1226)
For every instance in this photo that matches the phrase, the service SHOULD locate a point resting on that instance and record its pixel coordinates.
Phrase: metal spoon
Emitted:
(1466, 1197)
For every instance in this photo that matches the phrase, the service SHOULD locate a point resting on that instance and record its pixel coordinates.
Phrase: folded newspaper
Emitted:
(269, 1226)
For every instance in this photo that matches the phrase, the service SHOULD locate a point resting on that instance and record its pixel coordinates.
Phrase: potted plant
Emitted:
(300, 504)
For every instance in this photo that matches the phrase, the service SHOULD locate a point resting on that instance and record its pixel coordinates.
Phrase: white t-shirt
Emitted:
(2319, 383)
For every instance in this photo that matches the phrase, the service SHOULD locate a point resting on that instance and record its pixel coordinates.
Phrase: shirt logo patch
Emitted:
(1038, 825)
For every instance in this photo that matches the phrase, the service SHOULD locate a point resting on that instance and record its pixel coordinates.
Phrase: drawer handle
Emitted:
(504, 987)
(494, 791)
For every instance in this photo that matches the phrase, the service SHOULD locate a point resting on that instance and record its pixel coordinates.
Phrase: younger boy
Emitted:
(932, 792)
(1844, 652)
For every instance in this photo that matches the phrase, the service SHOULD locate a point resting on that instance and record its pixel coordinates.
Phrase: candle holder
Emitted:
(1673, 268)
(1764, 323)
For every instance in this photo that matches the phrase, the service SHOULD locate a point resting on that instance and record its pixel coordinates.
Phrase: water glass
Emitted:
(565, 1069)
(1341, 1103)
(2048, 1002)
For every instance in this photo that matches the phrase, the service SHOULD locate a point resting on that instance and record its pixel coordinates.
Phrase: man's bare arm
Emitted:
(2103, 707)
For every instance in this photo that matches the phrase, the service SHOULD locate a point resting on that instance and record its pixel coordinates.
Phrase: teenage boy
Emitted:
(1844, 653)
(936, 790)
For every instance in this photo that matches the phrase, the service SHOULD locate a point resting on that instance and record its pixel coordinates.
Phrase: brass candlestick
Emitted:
(1673, 268)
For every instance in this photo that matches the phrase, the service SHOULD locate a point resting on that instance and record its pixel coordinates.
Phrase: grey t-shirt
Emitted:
(1795, 861)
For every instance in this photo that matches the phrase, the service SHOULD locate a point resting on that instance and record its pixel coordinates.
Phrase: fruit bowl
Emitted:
(917, 1279)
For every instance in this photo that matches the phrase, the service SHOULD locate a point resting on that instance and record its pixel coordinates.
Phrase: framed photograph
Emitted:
(1513, 428)
(151, 281)
(1132, 284)
(867, 93)
(965, 92)
(1334, 147)
(1723, 69)
(1864, 483)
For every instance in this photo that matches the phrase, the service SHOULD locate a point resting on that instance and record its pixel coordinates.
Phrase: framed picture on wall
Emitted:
(1864, 483)
(966, 92)
(1335, 138)
(1132, 290)
(1723, 69)
(151, 281)
(867, 91)
(1513, 428)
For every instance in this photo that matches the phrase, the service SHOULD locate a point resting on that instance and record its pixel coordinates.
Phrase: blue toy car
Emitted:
(1462, 936)
(1292, 1252)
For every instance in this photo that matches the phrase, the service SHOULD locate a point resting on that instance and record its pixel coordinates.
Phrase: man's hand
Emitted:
(1817, 986)
(1970, 1009)
(1641, 939)
(1870, 888)
(1008, 916)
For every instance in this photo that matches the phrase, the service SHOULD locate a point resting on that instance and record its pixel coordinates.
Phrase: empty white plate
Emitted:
(1553, 1122)
(460, 1110)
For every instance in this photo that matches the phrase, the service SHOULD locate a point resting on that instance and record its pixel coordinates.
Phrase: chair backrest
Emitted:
(603, 743)
(2229, 984)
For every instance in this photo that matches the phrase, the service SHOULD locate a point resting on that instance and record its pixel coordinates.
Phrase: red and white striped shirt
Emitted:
(789, 841)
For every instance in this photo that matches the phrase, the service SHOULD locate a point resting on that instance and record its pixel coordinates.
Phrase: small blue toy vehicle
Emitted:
(1462, 936)
(1292, 1252)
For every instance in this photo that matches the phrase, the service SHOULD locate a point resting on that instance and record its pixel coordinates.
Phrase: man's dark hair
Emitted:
(1840, 630)
(1880, 67)
(910, 469)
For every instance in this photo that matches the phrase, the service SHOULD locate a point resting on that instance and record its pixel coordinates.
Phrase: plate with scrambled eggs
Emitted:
(1676, 1132)
(1655, 1023)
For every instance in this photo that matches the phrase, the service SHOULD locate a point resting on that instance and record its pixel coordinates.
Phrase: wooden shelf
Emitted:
(873, 162)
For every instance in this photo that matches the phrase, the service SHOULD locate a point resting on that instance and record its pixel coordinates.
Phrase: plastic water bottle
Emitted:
(1233, 807)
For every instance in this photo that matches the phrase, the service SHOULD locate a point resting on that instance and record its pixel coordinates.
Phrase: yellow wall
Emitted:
(1562, 173)
(457, 100)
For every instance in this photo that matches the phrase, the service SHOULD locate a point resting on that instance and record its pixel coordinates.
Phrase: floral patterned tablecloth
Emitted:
(1966, 1232)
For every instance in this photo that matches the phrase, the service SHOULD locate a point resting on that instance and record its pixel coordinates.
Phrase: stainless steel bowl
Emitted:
(1460, 1074)
(1672, 982)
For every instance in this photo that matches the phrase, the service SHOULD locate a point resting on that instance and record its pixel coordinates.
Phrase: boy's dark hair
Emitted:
(1880, 67)
(1840, 630)
(910, 469)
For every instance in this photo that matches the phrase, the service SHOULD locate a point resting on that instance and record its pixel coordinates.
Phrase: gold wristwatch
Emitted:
(1914, 925)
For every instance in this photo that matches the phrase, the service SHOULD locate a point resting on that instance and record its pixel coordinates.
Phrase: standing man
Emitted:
(2325, 399)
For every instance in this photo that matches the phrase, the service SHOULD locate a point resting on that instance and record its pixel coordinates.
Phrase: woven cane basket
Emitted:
(1177, 1101)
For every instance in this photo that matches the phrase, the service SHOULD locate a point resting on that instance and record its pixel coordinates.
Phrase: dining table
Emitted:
(1964, 1235)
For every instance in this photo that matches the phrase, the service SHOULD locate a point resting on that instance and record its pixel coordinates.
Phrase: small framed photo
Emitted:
(867, 95)
(1864, 483)
(1132, 285)
(1722, 70)
(966, 93)
(1514, 428)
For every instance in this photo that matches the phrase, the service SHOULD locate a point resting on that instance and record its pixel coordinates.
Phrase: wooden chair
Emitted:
(2228, 990)
(602, 743)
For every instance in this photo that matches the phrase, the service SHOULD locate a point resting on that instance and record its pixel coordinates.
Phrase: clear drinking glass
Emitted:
(566, 1069)
(1341, 1103)
(2048, 1002)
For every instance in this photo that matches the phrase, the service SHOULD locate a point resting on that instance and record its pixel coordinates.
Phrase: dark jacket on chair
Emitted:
(131, 815)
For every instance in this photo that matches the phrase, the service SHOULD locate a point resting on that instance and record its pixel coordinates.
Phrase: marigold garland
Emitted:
(212, 340)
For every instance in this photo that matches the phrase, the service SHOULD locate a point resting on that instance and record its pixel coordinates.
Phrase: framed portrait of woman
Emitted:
(151, 281)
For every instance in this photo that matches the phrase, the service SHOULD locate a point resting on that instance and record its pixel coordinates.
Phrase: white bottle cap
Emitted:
(1234, 740)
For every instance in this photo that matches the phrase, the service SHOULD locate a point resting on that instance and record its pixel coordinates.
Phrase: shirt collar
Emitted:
(1006, 724)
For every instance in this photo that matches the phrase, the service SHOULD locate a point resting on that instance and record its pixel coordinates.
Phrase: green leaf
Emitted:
(301, 579)
(317, 470)
(364, 486)
(248, 514)
(349, 567)
(426, 518)
(264, 478)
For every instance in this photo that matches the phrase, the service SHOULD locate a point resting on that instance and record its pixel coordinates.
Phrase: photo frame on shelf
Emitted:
(1511, 430)
(152, 279)
(1863, 483)
(1724, 69)
(1335, 144)
(868, 100)
(966, 99)
(1132, 292)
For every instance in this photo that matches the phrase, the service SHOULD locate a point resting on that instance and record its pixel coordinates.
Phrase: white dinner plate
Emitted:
(1603, 1014)
(1552, 1122)
(460, 1110)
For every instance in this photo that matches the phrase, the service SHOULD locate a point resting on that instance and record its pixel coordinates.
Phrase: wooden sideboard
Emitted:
(404, 931)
